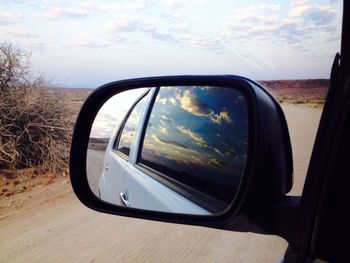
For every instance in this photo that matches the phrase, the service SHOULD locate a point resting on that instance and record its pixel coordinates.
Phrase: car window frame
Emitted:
(122, 125)
(320, 171)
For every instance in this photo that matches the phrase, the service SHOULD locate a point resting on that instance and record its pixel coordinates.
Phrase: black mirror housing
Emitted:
(268, 174)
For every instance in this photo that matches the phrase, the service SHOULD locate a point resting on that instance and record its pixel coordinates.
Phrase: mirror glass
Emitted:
(178, 149)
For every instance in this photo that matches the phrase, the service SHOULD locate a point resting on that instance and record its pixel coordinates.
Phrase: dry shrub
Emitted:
(34, 126)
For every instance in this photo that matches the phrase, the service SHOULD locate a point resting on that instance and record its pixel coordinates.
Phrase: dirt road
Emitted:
(94, 168)
(302, 124)
(50, 225)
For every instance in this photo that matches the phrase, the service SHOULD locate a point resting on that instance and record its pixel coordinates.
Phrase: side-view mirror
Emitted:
(201, 150)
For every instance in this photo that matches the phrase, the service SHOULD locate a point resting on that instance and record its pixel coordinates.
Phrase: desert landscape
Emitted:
(41, 220)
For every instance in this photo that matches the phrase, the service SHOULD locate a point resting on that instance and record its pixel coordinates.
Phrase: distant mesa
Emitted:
(99, 144)
(296, 84)
(99, 140)
(304, 91)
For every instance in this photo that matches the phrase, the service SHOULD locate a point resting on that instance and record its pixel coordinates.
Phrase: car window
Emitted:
(128, 132)
(197, 136)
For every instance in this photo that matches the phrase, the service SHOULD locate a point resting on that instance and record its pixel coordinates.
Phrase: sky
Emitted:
(87, 44)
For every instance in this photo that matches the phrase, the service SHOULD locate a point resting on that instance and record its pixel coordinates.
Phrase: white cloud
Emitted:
(129, 6)
(173, 3)
(55, 10)
(181, 26)
(35, 44)
(204, 41)
(57, 13)
(165, 37)
(303, 23)
(152, 29)
(134, 5)
(150, 26)
(10, 18)
(298, 2)
(270, 7)
(174, 16)
(87, 40)
(17, 33)
(121, 24)
(317, 14)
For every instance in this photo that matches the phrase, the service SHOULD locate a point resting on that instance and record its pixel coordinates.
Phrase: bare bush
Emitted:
(34, 126)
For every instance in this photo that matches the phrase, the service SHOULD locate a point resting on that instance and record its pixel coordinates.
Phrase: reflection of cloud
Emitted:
(213, 162)
(179, 155)
(225, 116)
(172, 100)
(161, 100)
(191, 103)
(167, 119)
(112, 113)
(199, 140)
(163, 130)
(171, 143)
(126, 138)
(217, 151)
(198, 161)
(104, 124)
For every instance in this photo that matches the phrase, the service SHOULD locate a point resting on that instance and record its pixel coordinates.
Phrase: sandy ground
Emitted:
(302, 124)
(48, 224)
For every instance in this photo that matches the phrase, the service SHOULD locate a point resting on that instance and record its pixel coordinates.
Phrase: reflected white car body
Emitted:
(123, 178)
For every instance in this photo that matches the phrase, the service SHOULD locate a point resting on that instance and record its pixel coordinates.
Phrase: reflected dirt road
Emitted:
(94, 162)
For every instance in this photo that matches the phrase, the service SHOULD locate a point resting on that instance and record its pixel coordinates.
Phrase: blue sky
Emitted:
(86, 44)
(199, 124)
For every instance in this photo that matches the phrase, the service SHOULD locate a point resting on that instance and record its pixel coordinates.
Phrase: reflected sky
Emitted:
(113, 111)
(200, 130)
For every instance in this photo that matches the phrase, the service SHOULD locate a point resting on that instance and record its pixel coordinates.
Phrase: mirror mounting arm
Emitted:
(286, 218)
